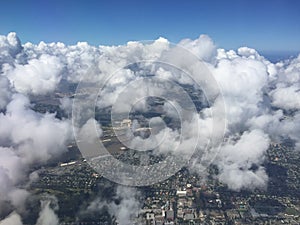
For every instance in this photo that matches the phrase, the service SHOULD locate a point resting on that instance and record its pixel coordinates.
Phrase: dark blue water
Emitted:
(275, 57)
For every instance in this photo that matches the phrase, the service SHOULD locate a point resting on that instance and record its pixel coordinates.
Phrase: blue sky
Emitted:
(264, 25)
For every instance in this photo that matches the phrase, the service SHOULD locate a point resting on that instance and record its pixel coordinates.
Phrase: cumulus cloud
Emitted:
(261, 99)
(36, 145)
(129, 205)
(27, 137)
(124, 206)
(5, 92)
(203, 47)
(12, 219)
(38, 76)
(47, 214)
(66, 105)
(286, 97)
(10, 48)
(238, 160)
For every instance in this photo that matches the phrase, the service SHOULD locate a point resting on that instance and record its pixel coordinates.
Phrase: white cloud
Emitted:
(12, 219)
(47, 215)
(124, 210)
(10, 47)
(39, 76)
(5, 92)
(250, 84)
(203, 47)
(27, 138)
(36, 145)
(129, 205)
(237, 158)
(286, 97)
